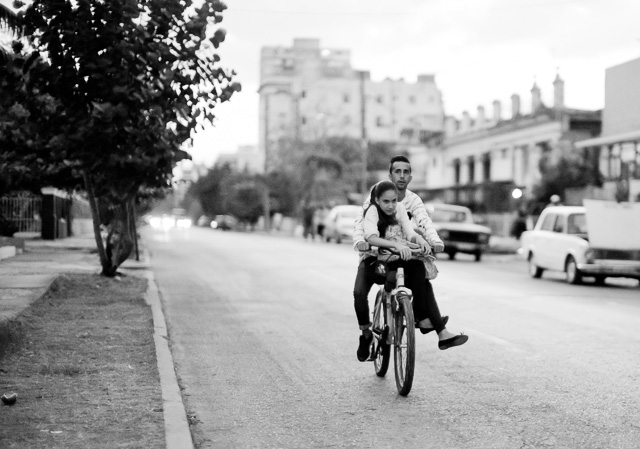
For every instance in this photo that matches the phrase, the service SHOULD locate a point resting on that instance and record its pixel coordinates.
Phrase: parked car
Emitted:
(224, 222)
(458, 231)
(339, 222)
(561, 241)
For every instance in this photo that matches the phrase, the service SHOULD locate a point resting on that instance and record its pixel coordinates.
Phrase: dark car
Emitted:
(458, 231)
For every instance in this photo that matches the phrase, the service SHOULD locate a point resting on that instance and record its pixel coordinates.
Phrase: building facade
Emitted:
(618, 147)
(308, 92)
(490, 163)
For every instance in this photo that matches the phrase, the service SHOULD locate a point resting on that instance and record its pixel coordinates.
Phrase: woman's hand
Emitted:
(404, 251)
(438, 247)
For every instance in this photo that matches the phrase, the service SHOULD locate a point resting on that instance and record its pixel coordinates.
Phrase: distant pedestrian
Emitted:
(307, 222)
(319, 217)
(519, 225)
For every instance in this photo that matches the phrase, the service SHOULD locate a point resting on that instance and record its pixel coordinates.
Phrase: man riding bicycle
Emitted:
(400, 175)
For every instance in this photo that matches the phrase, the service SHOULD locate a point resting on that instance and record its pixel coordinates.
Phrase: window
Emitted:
(380, 99)
(456, 171)
(471, 165)
(345, 98)
(486, 167)
(577, 224)
(303, 120)
(548, 223)
(303, 94)
(379, 122)
(559, 225)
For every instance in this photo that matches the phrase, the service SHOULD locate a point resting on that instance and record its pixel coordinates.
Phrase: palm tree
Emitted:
(9, 24)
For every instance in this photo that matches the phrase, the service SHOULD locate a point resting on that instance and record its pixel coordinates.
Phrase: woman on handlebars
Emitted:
(387, 225)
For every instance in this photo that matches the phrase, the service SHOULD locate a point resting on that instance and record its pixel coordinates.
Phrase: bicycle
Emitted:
(394, 325)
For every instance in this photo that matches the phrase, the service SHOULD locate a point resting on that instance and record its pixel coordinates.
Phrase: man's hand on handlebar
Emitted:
(363, 246)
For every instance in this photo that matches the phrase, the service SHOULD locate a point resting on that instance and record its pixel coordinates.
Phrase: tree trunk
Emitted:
(134, 230)
(119, 241)
(95, 215)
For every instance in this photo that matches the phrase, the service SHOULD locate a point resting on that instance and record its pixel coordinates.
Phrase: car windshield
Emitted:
(448, 216)
(577, 224)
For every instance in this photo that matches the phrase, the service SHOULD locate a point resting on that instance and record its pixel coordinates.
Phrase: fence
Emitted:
(24, 213)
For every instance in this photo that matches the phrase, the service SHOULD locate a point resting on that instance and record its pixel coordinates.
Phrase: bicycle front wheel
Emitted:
(405, 345)
(381, 352)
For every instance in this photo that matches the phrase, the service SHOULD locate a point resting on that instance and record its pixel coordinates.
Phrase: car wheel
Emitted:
(534, 270)
(478, 255)
(573, 274)
(338, 240)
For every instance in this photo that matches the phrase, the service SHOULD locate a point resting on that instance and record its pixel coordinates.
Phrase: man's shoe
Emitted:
(426, 330)
(453, 341)
(364, 348)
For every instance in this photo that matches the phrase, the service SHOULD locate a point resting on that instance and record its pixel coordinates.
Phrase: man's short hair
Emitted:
(399, 158)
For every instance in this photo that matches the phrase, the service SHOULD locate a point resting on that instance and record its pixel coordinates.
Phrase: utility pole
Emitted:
(363, 133)
(265, 191)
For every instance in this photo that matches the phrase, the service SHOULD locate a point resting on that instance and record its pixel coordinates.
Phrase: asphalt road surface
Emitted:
(264, 338)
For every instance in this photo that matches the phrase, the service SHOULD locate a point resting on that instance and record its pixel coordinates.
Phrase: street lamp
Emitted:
(516, 194)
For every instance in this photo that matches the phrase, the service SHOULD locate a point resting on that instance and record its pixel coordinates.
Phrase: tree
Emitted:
(131, 81)
(569, 171)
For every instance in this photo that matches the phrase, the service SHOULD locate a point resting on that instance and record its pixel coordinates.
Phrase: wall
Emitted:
(622, 99)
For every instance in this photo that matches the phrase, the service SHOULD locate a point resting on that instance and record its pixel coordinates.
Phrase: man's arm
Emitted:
(413, 203)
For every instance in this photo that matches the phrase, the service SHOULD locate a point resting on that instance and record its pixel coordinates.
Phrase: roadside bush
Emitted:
(7, 227)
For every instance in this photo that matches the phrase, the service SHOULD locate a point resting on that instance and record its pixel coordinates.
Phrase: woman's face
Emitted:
(388, 201)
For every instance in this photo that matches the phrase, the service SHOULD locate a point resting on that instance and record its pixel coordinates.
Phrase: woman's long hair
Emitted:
(384, 220)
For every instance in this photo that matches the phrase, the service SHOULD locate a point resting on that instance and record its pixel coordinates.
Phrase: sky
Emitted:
(479, 50)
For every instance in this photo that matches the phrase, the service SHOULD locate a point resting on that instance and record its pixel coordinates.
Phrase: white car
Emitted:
(560, 241)
(456, 228)
(339, 222)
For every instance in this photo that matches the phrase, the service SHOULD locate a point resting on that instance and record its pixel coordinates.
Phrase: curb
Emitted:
(176, 424)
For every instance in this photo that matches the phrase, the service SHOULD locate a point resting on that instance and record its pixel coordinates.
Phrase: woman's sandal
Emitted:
(453, 341)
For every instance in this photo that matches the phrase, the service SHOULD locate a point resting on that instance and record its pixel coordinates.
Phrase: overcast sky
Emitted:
(479, 50)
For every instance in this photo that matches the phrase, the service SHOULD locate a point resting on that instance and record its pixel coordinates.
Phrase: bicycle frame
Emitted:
(391, 304)
(393, 325)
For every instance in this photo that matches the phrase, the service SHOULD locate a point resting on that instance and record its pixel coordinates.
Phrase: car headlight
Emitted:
(589, 255)
(483, 238)
(444, 234)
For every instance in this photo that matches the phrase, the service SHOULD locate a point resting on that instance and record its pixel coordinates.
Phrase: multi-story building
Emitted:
(247, 158)
(308, 92)
(483, 161)
(618, 148)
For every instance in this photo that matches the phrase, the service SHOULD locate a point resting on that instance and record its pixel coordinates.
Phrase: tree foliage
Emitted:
(127, 84)
(572, 170)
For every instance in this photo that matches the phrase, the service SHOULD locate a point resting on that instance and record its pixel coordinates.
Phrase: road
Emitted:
(264, 337)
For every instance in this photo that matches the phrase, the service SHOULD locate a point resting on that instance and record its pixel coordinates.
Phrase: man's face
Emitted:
(400, 175)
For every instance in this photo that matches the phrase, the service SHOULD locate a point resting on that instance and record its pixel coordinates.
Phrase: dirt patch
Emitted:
(85, 372)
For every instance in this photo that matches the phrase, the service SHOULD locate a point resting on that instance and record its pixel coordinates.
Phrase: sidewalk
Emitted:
(26, 276)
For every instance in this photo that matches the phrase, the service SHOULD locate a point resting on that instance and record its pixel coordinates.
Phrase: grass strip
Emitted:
(85, 371)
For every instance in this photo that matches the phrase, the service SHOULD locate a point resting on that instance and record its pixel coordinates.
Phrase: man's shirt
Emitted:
(419, 217)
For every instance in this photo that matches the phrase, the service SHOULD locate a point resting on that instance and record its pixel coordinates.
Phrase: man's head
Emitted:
(400, 172)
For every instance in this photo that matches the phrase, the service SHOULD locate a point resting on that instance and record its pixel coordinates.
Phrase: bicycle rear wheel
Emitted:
(381, 352)
(405, 345)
